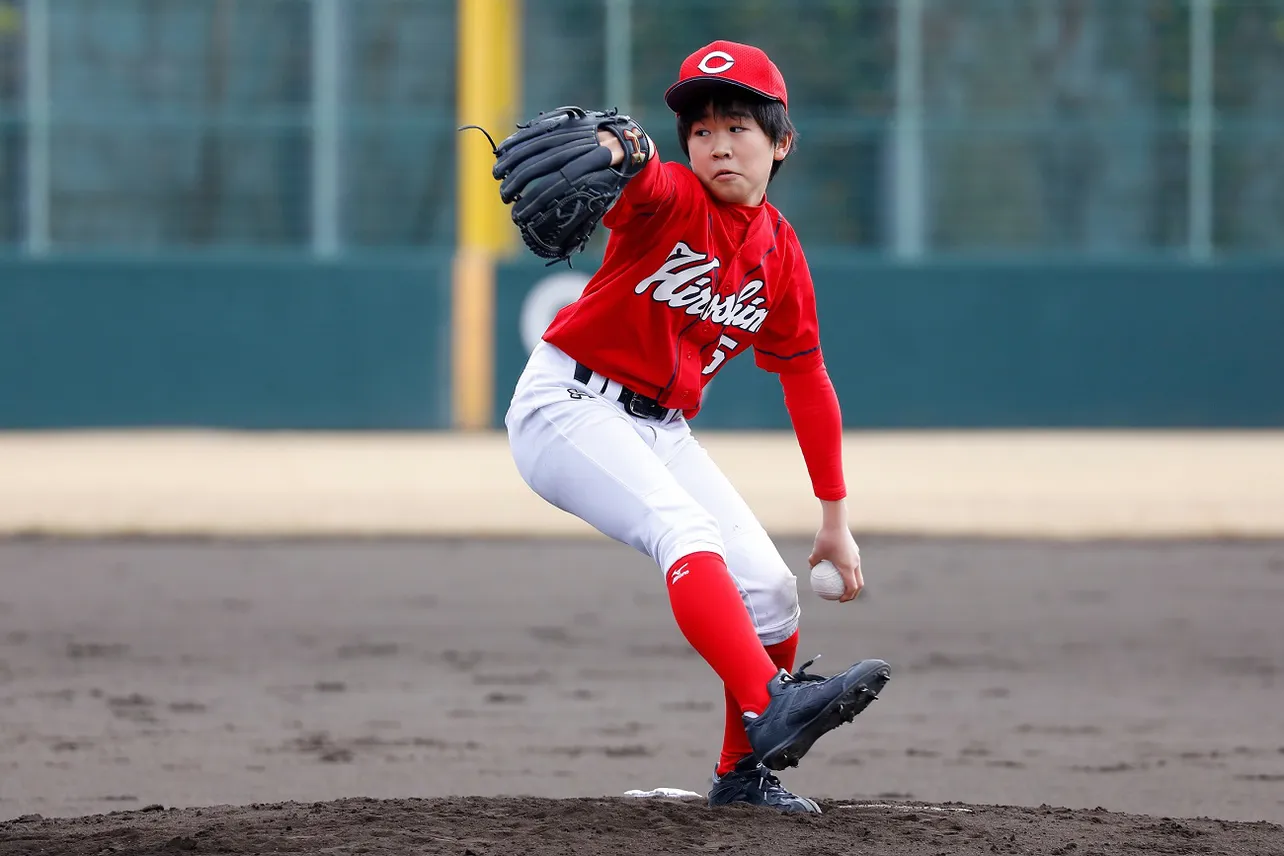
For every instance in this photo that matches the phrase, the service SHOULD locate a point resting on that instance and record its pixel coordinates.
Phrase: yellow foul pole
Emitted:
(489, 44)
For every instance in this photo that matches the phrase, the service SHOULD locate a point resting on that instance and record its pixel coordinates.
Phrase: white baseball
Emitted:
(826, 581)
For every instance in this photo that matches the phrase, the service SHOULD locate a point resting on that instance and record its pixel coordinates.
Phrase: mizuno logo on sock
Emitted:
(678, 573)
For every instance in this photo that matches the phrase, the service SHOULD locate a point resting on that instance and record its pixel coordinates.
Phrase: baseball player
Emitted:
(699, 268)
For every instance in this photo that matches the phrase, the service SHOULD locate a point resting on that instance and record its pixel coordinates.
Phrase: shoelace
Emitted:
(767, 780)
(802, 676)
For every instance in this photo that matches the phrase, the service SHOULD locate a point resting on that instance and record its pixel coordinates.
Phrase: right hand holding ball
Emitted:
(826, 581)
(835, 558)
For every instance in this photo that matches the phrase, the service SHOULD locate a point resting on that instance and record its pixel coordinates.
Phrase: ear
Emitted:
(783, 147)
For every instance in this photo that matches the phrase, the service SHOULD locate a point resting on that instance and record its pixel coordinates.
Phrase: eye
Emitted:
(701, 132)
(737, 128)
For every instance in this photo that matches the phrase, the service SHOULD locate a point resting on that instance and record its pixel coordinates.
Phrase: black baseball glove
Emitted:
(559, 179)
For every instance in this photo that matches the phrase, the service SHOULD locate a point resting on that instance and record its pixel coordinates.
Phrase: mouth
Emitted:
(725, 174)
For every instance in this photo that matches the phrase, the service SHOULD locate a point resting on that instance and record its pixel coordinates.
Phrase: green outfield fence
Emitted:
(364, 345)
(224, 343)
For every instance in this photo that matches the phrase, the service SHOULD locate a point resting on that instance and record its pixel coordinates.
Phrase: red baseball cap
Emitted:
(722, 63)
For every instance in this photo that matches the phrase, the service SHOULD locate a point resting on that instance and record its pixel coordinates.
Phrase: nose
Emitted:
(721, 146)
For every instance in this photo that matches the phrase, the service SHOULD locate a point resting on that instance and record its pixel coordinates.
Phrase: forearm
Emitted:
(648, 187)
(818, 424)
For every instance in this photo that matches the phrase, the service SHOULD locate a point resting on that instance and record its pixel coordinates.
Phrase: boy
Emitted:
(698, 268)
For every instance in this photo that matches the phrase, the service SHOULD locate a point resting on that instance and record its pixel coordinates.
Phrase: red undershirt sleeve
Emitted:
(818, 423)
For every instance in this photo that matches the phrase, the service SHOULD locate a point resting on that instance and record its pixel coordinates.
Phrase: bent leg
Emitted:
(769, 589)
(584, 455)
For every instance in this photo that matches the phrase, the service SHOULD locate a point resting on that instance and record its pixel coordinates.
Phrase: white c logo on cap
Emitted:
(706, 66)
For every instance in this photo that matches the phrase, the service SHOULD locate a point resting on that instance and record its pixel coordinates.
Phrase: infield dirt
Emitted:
(498, 697)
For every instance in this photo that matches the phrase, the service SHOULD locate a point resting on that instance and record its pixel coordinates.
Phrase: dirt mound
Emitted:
(532, 826)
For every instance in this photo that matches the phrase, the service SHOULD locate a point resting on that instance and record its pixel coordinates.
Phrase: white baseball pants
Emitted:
(644, 482)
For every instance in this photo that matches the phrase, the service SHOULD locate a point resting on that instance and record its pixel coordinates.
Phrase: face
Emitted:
(732, 157)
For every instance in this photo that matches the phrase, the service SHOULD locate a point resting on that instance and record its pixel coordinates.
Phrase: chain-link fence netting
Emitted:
(982, 126)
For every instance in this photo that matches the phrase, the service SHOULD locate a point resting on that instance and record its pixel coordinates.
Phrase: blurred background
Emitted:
(251, 213)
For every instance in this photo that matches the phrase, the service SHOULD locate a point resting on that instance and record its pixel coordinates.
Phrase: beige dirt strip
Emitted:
(1002, 484)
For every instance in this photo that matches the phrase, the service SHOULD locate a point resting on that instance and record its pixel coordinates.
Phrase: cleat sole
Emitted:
(841, 710)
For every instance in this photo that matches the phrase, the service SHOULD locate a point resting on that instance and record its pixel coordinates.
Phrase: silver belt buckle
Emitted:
(633, 405)
(642, 408)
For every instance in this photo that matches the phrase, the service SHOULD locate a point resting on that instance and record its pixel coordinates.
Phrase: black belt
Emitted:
(634, 402)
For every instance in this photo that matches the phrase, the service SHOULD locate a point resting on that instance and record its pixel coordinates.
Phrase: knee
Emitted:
(783, 593)
(694, 531)
(774, 605)
(788, 590)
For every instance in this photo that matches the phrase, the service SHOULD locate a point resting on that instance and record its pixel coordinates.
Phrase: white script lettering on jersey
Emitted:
(683, 283)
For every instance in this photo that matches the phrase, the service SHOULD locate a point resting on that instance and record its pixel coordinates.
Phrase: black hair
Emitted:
(727, 102)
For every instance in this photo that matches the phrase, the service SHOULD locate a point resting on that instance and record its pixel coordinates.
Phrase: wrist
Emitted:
(833, 513)
(611, 143)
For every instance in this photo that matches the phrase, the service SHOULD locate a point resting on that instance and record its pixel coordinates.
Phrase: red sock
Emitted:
(735, 743)
(713, 618)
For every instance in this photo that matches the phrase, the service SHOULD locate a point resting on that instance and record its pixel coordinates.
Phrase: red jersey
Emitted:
(687, 283)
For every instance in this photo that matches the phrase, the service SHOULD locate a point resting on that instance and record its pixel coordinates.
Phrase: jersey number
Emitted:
(725, 344)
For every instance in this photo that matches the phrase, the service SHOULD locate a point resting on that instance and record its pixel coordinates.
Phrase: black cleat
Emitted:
(754, 784)
(803, 707)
